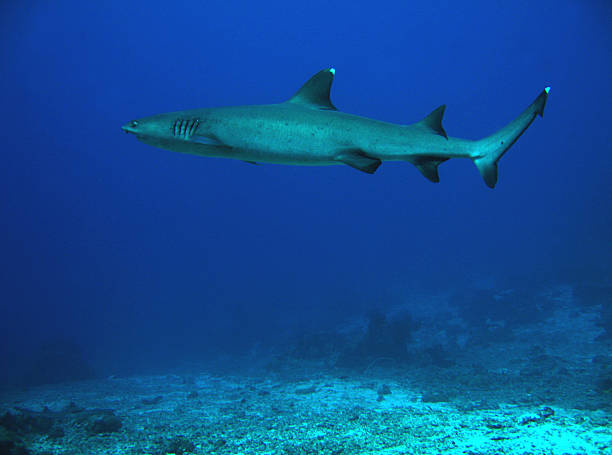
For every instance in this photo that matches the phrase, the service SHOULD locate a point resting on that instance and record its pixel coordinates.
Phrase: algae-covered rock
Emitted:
(27, 422)
(11, 444)
(178, 445)
(109, 423)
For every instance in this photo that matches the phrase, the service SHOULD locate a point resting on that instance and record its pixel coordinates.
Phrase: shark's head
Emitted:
(132, 126)
(155, 130)
(163, 127)
(154, 126)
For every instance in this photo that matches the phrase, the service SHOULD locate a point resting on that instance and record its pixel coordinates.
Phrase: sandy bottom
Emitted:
(300, 413)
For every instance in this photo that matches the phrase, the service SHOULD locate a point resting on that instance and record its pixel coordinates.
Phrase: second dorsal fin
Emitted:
(314, 93)
(434, 121)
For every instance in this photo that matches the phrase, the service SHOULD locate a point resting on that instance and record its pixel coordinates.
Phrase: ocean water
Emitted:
(207, 305)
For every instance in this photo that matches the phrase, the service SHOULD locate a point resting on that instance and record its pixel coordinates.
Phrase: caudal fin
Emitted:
(488, 151)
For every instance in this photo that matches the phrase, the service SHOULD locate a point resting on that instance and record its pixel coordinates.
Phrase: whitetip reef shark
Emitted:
(308, 130)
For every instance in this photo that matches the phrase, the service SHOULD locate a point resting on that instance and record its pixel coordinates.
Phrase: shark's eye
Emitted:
(134, 123)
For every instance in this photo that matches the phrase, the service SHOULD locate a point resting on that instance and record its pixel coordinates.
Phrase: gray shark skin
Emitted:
(308, 130)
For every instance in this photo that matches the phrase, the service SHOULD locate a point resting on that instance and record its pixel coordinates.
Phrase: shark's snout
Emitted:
(130, 127)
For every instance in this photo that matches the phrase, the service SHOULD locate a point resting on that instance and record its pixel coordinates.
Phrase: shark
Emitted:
(308, 130)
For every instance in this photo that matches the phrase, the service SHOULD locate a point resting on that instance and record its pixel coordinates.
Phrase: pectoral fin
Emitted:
(359, 160)
(209, 146)
(207, 140)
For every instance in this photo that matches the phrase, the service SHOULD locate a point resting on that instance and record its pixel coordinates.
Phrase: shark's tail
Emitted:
(487, 152)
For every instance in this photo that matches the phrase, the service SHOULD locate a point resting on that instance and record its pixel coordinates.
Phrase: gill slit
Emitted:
(194, 126)
(185, 127)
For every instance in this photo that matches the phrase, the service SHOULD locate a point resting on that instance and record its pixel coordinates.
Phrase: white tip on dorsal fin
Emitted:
(314, 93)
(434, 121)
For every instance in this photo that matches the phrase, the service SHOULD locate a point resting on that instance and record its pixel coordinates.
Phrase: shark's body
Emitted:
(309, 130)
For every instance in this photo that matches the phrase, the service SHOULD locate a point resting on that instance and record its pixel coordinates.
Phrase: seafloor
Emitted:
(545, 389)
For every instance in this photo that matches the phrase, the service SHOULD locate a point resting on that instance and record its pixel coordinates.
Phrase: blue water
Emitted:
(148, 259)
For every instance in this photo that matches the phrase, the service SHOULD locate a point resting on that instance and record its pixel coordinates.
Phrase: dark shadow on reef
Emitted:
(55, 361)
(19, 426)
(384, 340)
(597, 296)
(537, 346)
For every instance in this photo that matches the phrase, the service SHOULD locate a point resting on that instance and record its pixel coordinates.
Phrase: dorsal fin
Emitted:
(315, 92)
(434, 121)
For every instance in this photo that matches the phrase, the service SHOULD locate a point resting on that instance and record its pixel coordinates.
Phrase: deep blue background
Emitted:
(149, 258)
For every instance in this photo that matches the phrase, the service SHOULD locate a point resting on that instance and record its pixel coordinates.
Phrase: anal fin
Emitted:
(359, 160)
(429, 167)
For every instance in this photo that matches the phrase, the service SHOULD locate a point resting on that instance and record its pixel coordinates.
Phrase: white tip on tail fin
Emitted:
(489, 150)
